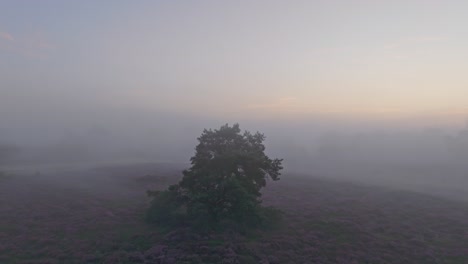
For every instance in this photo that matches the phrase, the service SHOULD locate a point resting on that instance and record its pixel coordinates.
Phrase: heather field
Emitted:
(96, 216)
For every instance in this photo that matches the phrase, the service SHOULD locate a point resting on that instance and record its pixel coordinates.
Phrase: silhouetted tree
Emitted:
(225, 178)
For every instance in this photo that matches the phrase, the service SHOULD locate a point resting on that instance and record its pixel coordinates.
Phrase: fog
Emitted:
(416, 157)
(336, 96)
(135, 134)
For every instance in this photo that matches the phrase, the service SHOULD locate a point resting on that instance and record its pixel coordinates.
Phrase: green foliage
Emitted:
(166, 207)
(223, 183)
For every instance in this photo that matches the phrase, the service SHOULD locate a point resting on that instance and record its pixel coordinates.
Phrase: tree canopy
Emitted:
(226, 175)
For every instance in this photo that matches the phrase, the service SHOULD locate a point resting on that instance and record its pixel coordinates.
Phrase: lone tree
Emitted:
(224, 181)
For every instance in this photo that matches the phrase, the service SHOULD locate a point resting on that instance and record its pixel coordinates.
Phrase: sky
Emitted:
(262, 59)
(145, 77)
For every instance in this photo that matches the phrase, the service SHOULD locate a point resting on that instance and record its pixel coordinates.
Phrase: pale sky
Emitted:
(366, 59)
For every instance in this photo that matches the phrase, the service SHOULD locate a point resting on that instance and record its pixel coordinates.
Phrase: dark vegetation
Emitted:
(222, 187)
(95, 216)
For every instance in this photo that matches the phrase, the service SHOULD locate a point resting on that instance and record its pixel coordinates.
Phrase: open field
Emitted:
(96, 216)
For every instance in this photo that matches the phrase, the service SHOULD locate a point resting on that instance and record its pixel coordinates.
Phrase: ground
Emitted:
(96, 216)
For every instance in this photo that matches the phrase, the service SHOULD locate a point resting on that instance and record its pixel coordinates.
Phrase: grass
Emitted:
(322, 222)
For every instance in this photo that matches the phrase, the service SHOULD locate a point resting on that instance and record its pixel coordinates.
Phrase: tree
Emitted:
(225, 178)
